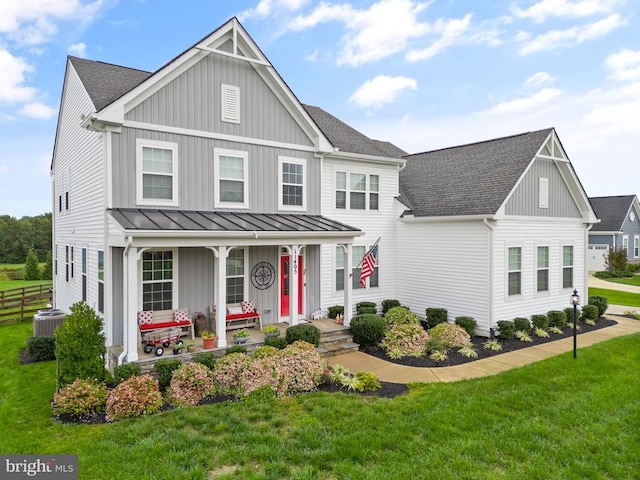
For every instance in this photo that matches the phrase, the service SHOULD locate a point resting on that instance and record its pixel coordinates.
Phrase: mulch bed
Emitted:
(454, 358)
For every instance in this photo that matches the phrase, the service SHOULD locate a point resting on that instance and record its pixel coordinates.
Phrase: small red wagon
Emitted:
(160, 339)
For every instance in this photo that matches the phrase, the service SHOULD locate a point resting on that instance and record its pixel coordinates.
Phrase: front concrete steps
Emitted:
(336, 340)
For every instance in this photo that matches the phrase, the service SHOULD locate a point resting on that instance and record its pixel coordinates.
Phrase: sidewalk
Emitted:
(391, 372)
(595, 282)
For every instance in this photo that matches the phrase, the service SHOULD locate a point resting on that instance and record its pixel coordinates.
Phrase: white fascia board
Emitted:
(359, 157)
(450, 218)
(566, 220)
(604, 233)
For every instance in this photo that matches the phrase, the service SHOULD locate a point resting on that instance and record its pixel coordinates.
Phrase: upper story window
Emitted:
(357, 191)
(636, 246)
(231, 178)
(292, 183)
(156, 172)
(230, 103)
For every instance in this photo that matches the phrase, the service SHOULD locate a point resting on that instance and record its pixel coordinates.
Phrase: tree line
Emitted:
(18, 237)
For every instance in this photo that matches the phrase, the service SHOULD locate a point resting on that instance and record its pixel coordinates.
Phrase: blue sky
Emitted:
(423, 75)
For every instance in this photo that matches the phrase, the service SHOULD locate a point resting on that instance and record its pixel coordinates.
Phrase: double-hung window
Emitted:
(292, 183)
(157, 279)
(84, 274)
(156, 172)
(636, 246)
(543, 269)
(231, 178)
(101, 281)
(515, 271)
(235, 275)
(567, 266)
(625, 244)
(66, 262)
(357, 191)
(357, 254)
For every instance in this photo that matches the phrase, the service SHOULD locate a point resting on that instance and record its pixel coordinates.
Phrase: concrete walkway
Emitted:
(391, 372)
(595, 282)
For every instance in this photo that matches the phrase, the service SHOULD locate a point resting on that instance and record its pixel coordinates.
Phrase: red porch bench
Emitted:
(239, 315)
(151, 320)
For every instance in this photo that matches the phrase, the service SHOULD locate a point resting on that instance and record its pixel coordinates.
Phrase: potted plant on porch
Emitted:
(271, 331)
(208, 339)
(241, 336)
(200, 321)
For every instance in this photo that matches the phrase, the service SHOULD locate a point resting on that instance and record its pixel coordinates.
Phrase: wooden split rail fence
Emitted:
(18, 304)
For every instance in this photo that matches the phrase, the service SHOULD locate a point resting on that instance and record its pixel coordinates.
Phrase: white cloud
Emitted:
(37, 110)
(78, 49)
(559, 38)
(12, 79)
(544, 9)
(266, 8)
(624, 65)
(381, 90)
(517, 105)
(450, 31)
(538, 79)
(3, 169)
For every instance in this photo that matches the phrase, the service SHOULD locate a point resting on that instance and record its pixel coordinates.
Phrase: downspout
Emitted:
(586, 260)
(125, 301)
(490, 227)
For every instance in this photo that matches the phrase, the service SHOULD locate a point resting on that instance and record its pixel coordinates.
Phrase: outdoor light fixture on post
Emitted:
(575, 301)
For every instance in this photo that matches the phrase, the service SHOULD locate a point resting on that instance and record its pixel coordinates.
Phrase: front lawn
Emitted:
(554, 419)
(635, 280)
(616, 297)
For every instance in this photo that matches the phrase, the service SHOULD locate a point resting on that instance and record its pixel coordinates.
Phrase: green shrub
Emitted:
(307, 333)
(367, 329)
(265, 352)
(388, 305)
(335, 310)
(400, 316)
(261, 394)
(277, 342)
(31, 266)
(366, 307)
(190, 384)
(368, 381)
(164, 371)
(540, 321)
(506, 329)
(450, 335)
(434, 345)
(522, 324)
(405, 340)
(227, 374)
(604, 275)
(600, 302)
(42, 348)
(616, 262)
(436, 316)
(205, 359)
(81, 397)
(468, 323)
(558, 318)
(80, 347)
(590, 312)
(634, 267)
(47, 269)
(235, 349)
(135, 397)
(128, 370)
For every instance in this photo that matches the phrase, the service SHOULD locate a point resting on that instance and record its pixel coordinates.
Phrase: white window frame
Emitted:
(84, 286)
(140, 200)
(101, 267)
(517, 270)
(636, 246)
(66, 262)
(572, 267)
(355, 260)
(625, 244)
(543, 268)
(244, 276)
(367, 192)
(217, 153)
(174, 279)
(296, 161)
(543, 192)
(225, 91)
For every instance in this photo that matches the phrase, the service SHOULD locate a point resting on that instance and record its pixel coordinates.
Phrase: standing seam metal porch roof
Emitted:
(220, 221)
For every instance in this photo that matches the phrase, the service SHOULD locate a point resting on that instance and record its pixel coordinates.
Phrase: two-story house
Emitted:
(208, 182)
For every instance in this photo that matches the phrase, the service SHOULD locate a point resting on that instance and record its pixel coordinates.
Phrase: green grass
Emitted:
(616, 297)
(554, 419)
(9, 284)
(635, 280)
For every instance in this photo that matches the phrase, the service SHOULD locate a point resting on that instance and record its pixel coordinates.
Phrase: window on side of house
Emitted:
(339, 268)
(625, 244)
(101, 281)
(292, 185)
(543, 269)
(341, 190)
(236, 275)
(231, 178)
(357, 253)
(55, 260)
(636, 246)
(357, 191)
(374, 195)
(567, 266)
(66, 263)
(84, 274)
(515, 271)
(157, 279)
(156, 172)
(71, 262)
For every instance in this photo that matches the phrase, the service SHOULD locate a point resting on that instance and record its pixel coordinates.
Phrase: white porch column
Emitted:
(294, 273)
(221, 254)
(348, 290)
(130, 319)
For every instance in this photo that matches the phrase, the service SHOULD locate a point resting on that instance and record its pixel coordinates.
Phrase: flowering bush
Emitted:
(190, 384)
(82, 397)
(400, 316)
(298, 368)
(264, 352)
(408, 340)
(451, 335)
(227, 372)
(135, 397)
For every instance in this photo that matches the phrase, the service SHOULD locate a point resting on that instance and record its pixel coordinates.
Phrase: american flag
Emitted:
(368, 264)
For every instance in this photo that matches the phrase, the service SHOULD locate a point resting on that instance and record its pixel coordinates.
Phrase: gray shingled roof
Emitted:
(611, 211)
(348, 139)
(472, 179)
(191, 220)
(106, 82)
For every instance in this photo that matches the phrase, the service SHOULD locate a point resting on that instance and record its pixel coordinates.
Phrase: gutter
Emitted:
(490, 227)
(125, 332)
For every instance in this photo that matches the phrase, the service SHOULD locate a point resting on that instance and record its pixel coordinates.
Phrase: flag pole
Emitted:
(363, 257)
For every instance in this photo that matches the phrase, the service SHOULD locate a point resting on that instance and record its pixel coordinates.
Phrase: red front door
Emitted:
(284, 285)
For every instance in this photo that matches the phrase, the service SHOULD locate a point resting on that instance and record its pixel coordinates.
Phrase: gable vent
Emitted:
(543, 193)
(230, 104)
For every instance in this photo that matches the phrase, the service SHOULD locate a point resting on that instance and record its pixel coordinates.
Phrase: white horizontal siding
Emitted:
(445, 265)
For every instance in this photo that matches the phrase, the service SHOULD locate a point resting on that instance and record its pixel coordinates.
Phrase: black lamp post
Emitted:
(575, 301)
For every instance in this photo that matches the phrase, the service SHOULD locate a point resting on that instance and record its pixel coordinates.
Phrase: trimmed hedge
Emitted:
(205, 359)
(388, 305)
(334, 311)
(558, 318)
(42, 348)
(400, 316)
(436, 316)
(590, 312)
(235, 349)
(600, 302)
(522, 324)
(164, 371)
(128, 370)
(306, 333)
(367, 329)
(468, 323)
(366, 307)
(540, 321)
(277, 342)
(506, 329)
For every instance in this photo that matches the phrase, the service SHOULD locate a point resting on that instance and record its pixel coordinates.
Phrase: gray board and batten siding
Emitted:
(193, 101)
(525, 199)
(196, 189)
(117, 300)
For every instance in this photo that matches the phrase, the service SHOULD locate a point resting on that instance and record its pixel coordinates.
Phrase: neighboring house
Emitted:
(493, 230)
(619, 227)
(208, 182)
